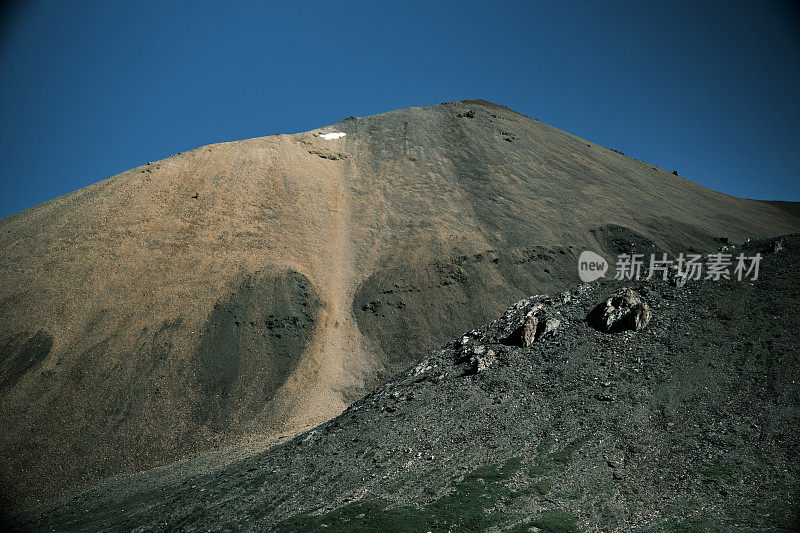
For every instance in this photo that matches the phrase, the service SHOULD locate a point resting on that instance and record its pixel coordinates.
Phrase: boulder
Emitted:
(550, 326)
(482, 358)
(623, 310)
(527, 332)
(537, 325)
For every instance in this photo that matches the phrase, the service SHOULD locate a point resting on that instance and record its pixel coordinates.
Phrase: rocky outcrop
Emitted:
(539, 322)
(623, 310)
(482, 358)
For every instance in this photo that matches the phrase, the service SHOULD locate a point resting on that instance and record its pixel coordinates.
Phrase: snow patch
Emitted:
(331, 136)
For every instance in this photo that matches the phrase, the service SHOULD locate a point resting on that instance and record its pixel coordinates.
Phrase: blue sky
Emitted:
(90, 89)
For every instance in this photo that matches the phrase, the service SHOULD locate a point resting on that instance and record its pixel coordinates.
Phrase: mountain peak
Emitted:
(254, 288)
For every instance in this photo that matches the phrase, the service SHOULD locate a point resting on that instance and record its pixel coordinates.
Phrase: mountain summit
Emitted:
(257, 288)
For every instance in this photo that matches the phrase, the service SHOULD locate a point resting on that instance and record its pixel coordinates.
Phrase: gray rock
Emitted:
(539, 322)
(483, 359)
(623, 310)
(550, 326)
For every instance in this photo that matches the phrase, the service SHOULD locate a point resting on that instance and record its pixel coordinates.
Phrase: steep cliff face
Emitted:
(258, 287)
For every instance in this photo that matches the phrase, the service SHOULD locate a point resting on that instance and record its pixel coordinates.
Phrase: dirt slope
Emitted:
(258, 287)
(687, 425)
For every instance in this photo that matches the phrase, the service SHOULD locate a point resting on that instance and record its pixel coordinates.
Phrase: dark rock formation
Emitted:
(623, 310)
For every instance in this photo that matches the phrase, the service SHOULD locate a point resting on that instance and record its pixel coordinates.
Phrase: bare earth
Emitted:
(249, 290)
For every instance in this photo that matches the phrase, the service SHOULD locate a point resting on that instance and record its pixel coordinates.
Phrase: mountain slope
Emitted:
(260, 286)
(686, 425)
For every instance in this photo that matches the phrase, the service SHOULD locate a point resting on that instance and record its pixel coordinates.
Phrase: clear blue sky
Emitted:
(90, 89)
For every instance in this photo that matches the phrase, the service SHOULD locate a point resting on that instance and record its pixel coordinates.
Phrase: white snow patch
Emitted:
(331, 136)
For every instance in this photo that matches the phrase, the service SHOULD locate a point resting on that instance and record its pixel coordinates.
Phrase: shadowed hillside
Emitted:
(684, 425)
(259, 287)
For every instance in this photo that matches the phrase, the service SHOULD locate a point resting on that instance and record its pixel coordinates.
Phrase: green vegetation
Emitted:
(718, 474)
(491, 473)
(538, 488)
(545, 445)
(543, 486)
(574, 494)
(556, 521)
(558, 459)
(564, 456)
(463, 510)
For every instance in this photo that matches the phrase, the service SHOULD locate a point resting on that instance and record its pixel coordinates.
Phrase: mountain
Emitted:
(253, 289)
(687, 424)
